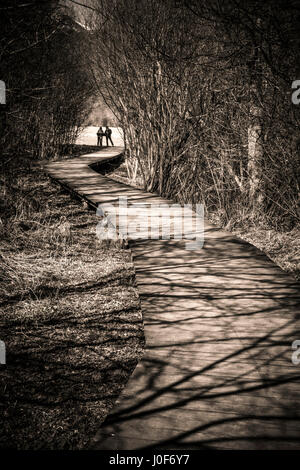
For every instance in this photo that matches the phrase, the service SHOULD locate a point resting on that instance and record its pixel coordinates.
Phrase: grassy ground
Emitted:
(69, 315)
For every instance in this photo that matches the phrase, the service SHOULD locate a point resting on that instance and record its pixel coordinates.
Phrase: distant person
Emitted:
(108, 133)
(100, 135)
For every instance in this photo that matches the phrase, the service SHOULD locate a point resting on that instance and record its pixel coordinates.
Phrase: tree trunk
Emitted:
(255, 154)
(255, 129)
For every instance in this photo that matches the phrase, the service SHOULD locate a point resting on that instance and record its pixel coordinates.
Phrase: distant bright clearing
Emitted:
(89, 136)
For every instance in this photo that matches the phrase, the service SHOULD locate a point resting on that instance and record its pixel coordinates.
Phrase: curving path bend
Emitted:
(219, 323)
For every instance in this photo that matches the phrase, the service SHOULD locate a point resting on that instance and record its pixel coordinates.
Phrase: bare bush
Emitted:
(203, 92)
(47, 82)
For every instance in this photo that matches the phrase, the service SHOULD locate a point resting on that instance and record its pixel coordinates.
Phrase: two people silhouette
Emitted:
(107, 134)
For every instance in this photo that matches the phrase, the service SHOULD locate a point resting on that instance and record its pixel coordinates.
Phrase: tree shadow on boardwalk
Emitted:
(217, 372)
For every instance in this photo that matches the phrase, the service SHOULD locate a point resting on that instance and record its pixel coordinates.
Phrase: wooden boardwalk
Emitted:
(219, 323)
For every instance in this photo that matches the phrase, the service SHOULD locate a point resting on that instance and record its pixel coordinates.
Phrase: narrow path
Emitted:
(219, 325)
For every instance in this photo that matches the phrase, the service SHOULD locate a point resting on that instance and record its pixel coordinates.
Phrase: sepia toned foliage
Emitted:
(42, 51)
(203, 92)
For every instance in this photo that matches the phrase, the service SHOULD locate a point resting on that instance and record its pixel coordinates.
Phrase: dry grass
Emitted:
(69, 315)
